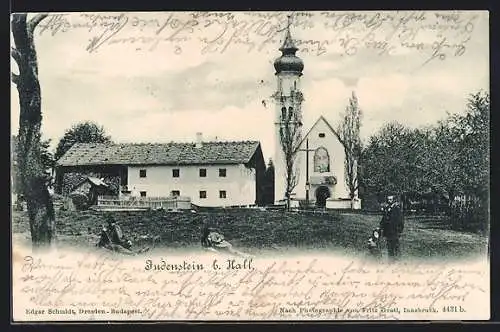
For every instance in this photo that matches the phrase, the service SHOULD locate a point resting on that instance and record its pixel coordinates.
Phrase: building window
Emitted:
(175, 193)
(143, 194)
(283, 113)
(142, 173)
(321, 135)
(222, 172)
(222, 194)
(321, 160)
(203, 194)
(175, 173)
(203, 173)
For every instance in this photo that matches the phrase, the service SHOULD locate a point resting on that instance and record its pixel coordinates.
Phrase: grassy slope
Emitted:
(254, 231)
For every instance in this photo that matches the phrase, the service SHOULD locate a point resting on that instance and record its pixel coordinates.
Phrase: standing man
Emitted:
(392, 226)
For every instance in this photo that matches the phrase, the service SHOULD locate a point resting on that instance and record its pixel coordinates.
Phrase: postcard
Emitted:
(250, 166)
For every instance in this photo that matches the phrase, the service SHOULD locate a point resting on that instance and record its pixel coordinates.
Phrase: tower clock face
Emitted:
(321, 160)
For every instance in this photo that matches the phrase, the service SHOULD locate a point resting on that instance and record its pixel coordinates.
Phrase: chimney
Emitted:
(199, 140)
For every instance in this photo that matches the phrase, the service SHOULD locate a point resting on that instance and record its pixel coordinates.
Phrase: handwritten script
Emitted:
(436, 35)
(104, 287)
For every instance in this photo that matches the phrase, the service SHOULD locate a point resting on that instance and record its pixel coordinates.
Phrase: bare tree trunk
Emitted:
(348, 131)
(33, 179)
(290, 139)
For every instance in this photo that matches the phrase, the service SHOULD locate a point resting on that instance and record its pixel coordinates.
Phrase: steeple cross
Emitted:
(289, 23)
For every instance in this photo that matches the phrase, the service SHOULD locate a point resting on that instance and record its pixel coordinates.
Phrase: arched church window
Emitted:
(321, 160)
(283, 113)
(295, 85)
(290, 110)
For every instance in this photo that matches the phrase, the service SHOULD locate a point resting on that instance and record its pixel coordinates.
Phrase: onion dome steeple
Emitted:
(288, 61)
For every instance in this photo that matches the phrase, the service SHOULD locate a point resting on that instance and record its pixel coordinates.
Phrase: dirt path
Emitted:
(419, 236)
(416, 226)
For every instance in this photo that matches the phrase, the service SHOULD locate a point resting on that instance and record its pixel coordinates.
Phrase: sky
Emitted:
(161, 77)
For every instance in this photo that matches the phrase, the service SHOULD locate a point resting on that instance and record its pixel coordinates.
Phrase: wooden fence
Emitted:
(143, 203)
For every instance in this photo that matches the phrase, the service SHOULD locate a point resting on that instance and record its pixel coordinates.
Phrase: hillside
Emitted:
(267, 231)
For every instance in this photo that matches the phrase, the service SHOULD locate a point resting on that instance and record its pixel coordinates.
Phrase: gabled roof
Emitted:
(97, 182)
(94, 181)
(322, 118)
(90, 154)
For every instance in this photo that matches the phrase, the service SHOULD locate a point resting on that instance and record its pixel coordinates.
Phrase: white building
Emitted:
(229, 173)
(327, 176)
(322, 178)
(214, 174)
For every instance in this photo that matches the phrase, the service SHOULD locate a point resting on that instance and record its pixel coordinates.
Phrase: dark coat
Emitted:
(392, 223)
(104, 240)
(116, 234)
(113, 236)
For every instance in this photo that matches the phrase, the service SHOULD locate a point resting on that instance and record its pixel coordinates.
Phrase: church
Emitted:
(308, 164)
(227, 174)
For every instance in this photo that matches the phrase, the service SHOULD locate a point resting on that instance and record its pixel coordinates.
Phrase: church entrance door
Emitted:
(322, 194)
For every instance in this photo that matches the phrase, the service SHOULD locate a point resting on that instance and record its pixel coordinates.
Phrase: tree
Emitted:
(269, 183)
(459, 151)
(392, 162)
(474, 135)
(290, 140)
(33, 180)
(471, 145)
(14, 168)
(84, 132)
(445, 170)
(46, 158)
(348, 131)
(443, 161)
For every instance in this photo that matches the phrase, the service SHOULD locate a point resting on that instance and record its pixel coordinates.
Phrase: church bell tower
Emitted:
(288, 112)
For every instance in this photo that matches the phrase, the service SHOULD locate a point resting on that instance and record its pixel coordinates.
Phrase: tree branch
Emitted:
(35, 21)
(16, 55)
(18, 26)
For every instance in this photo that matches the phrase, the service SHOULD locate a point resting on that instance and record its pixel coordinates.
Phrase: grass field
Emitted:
(263, 231)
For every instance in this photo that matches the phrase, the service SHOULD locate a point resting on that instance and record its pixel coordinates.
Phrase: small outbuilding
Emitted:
(93, 188)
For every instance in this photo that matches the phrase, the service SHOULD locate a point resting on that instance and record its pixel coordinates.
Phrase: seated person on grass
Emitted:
(112, 237)
(214, 241)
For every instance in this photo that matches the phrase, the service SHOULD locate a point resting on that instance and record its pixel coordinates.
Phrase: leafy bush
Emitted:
(80, 201)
